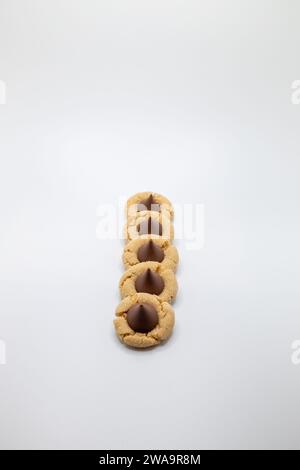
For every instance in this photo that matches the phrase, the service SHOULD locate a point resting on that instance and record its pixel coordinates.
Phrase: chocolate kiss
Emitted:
(142, 318)
(148, 204)
(149, 282)
(150, 251)
(149, 227)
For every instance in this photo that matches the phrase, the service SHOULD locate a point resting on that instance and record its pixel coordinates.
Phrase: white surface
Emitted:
(191, 99)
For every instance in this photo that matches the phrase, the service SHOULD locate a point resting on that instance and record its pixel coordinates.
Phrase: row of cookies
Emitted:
(145, 317)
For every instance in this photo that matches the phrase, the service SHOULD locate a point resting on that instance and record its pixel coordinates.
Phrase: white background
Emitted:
(191, 99)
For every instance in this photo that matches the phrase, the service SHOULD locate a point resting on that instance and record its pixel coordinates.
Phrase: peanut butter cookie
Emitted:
(149, 224)
(143, 320)
(159, 250)
(148, 201)
(149, 277)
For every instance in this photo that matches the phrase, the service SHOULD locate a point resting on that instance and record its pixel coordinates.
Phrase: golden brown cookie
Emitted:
(148, 201)
(149, 277)
(149, 225)
(159, 250)
(144, 320)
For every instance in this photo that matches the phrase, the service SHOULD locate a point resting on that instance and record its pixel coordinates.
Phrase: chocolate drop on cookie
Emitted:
(150, 251)
(148, 204)
(149, 282)
(142, 318)
(149, 227)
